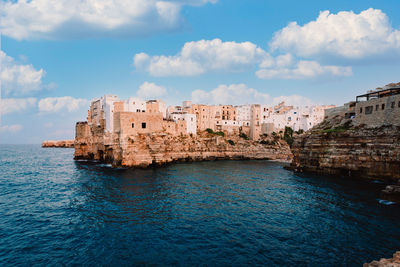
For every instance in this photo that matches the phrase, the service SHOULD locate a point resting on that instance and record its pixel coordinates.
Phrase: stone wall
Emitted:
(378, 112)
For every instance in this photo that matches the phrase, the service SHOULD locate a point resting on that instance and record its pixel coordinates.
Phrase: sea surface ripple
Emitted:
(55, 211)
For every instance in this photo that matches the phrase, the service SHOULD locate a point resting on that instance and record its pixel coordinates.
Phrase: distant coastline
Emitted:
(58, 143)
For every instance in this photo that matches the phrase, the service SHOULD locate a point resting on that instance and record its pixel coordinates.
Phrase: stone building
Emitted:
(379, 107)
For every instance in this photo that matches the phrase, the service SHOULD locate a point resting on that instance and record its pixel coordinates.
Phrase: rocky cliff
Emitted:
(60, 143)
(393, 262)
(145, 150)
(338, 147)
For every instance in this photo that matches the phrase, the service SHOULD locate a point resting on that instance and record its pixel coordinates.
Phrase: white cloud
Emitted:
(293, 100)
(344, 34)
(151, 90)
(235, 94)
(65, 103)
(286, 68)
(82, 19)
(11, 105)
(19, 79)
(202, 56)
(11, 128)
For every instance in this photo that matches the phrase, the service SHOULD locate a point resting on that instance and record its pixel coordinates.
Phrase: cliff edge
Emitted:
(339, 146)
(60, 143)
(155, 149)
(393, 262)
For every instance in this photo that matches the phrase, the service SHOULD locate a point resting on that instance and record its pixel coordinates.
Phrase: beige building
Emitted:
(379, 107)
(255, 122)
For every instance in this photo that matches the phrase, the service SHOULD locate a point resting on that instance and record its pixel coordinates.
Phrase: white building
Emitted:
(190, 119)
(107, 104)
(135, 105)
(294, 117)
(243, 115)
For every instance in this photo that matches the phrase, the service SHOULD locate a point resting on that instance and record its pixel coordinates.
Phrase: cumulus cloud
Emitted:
(293, 100)
(62, 19)
(11, 128)
(285, 67)
(11, 105)
(202, 56)
(19, 79)
(235, 94)
(65, 103)
(151, 90)
(344, 34)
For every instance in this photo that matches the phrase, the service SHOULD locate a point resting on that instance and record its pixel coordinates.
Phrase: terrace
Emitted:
(379, 93)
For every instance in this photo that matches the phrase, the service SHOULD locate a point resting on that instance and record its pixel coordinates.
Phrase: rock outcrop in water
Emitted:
(143, 150)
(339, 147)
(60, 143)
(393, 262)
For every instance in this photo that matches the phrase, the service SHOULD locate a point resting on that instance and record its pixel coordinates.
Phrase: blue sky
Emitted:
(55, 58)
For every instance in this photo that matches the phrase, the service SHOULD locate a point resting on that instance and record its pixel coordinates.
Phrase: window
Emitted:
(399, 104)
(368, 110)
(143, 125)
(376, 107)
(360, 110)
(133, 125)
(383, 106)
(392, 106)
(138, 110)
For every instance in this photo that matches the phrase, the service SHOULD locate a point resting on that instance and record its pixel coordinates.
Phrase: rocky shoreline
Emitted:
(147, 150)
(60, 143)
(392, 262)
(347, 150)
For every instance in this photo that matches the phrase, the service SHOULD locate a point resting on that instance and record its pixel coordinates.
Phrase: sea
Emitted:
(60, 212)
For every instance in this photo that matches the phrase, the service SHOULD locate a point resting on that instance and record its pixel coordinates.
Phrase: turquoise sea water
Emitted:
(55, 211)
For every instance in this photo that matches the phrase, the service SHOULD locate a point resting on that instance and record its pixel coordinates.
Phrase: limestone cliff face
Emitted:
(60, 143)
(143, 150)
(392, 262)
(337, 147)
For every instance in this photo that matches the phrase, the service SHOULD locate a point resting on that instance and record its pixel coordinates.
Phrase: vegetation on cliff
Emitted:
(338, 146)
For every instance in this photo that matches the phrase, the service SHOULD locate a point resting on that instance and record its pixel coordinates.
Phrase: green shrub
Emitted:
(231, 142)
(219, 133)
(244, 136)
(288, 136)
(208, 130)
(264, 142)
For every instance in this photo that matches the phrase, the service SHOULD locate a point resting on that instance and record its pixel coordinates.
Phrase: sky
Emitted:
(58, 56)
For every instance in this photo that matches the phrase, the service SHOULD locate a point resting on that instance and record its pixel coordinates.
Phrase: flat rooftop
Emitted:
(384, 92)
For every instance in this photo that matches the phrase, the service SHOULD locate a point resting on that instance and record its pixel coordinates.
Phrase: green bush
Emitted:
(264, 142)
(288, 136)
(244, 136)
(208, 130)
(219, 133)
(231, 142)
